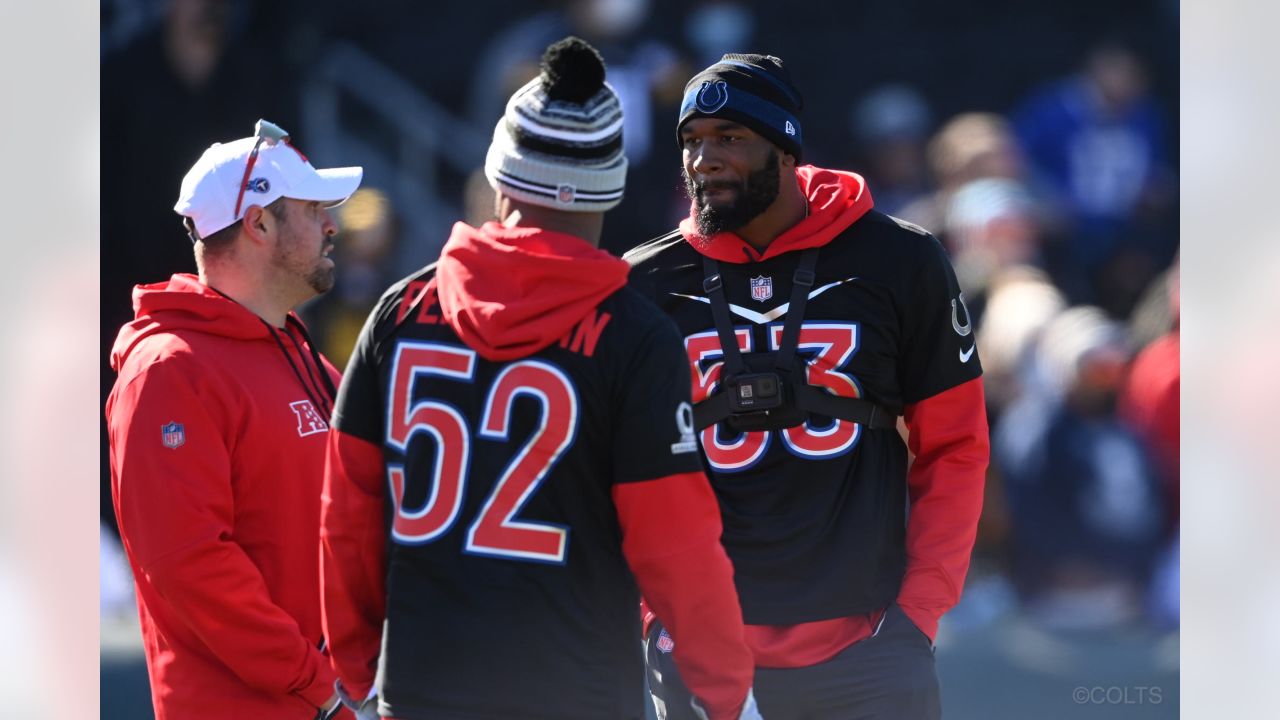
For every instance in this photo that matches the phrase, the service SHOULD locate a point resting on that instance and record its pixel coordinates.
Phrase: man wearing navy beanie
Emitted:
(812, 323)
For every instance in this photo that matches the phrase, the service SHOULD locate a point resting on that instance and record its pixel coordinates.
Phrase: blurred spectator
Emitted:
(1083, 499)
(1098, 139)
(1149, 403)
(987, 204)
(971, 146)
(990, 225)
(891, 126)
(1157, 310)
(369, 235)
(1021, 301)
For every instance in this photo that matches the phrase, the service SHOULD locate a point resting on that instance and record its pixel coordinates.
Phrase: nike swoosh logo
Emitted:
(766, 317)
(966, 354)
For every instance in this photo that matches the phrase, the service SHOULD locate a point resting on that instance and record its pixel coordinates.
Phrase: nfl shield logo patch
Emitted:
(665, 643)
(761, 288)
(566, 194)
(172, 435)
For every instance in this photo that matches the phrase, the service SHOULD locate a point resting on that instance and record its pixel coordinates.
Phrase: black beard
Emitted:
(752, 197)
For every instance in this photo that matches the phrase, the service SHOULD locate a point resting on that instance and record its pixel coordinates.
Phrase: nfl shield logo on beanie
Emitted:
(566, 194)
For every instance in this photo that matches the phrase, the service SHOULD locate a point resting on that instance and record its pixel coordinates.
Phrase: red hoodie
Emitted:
(510, 292)
(836, 200)
(947, 436)
(217, 458)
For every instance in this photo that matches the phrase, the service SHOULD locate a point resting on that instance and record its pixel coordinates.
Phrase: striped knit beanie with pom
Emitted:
(559, 143)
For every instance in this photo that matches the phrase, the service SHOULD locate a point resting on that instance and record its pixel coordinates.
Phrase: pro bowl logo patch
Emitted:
(761, 288)
(684, 425)
(172, 435)
(665, 643)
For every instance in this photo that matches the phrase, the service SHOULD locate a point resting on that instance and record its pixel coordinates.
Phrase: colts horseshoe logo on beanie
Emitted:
(708, 101)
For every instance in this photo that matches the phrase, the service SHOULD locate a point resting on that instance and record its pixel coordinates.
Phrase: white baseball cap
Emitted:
(230, 177)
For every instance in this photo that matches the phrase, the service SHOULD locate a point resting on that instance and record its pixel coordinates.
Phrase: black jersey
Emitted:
(501, 474)
(509, 585)
(814, 515)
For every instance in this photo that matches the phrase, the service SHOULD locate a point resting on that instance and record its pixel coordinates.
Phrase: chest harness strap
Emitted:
(769, 391)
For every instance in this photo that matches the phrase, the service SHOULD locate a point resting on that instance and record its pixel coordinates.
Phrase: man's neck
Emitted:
(587, 226)
(249, 292)
(787, 210)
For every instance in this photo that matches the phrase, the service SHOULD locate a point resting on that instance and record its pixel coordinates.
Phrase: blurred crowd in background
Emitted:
(1037, 141)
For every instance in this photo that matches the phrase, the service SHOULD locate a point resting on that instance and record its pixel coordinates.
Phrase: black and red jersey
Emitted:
(815, 515)
(493, 503)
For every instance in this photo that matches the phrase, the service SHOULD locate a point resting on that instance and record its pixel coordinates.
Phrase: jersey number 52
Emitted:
(495, 531)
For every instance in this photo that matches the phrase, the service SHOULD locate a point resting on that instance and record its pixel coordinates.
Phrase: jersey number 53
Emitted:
(829, 346)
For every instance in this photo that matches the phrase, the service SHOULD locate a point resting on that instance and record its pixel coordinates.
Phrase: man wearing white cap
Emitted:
(217, 426)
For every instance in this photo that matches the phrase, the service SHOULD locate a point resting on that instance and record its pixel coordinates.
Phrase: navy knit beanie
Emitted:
(752, 90)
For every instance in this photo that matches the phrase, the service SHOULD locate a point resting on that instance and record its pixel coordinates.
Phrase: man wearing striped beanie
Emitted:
(533, 415)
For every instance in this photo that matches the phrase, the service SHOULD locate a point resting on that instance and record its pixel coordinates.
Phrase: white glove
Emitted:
(749, 709)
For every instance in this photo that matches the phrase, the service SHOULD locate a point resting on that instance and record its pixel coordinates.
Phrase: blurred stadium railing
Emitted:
(355, 106)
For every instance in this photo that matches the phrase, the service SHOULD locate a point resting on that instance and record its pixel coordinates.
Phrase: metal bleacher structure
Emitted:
(356, 109)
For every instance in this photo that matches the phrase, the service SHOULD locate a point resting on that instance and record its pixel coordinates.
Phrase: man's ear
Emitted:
(258, 224)
(787, 160)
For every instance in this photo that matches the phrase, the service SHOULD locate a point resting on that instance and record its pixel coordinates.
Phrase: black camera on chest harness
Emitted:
(770, 391)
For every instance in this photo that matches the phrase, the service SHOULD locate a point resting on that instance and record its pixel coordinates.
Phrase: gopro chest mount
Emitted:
(770, 391)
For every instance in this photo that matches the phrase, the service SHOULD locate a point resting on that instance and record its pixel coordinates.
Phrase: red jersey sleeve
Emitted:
(949, 438)
(671, 540)
(353, 559)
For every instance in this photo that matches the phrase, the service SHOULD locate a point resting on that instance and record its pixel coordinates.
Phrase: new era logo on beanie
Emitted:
(559, 143)
(753, 90)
